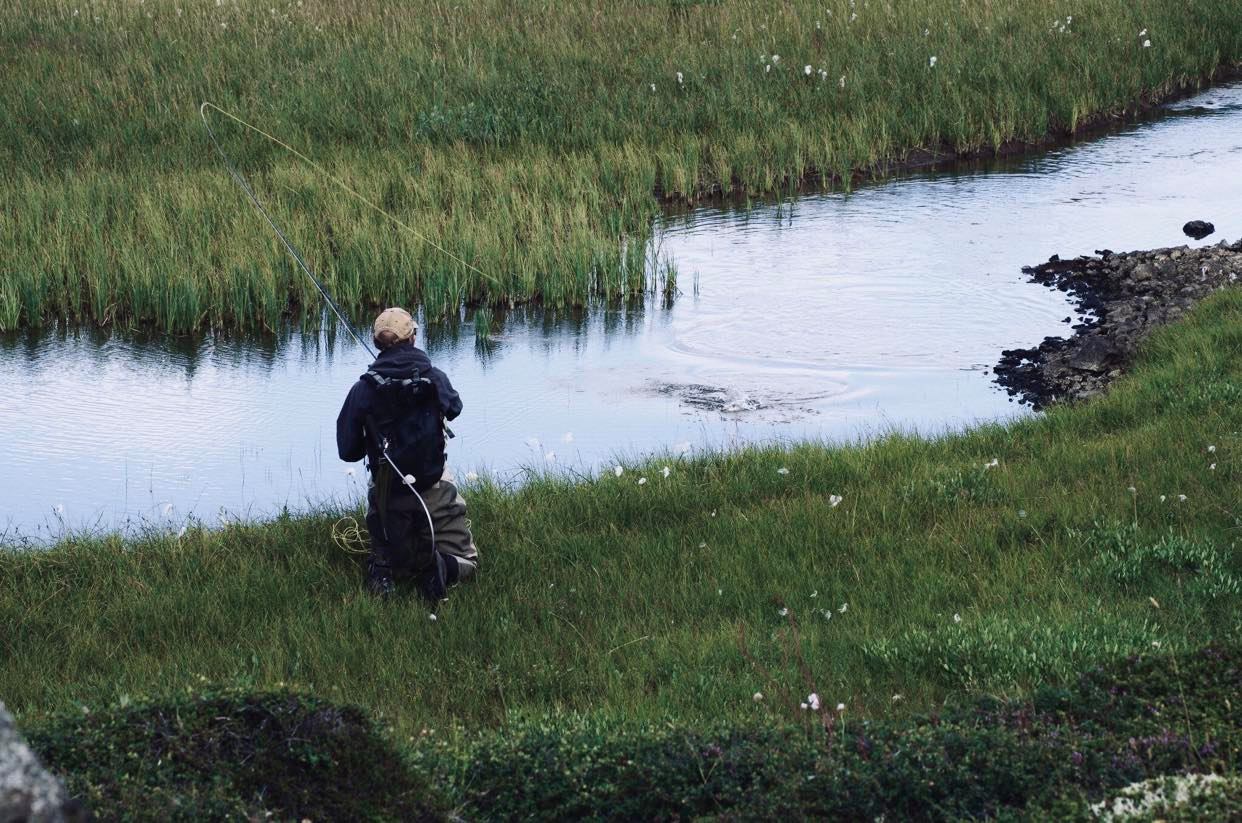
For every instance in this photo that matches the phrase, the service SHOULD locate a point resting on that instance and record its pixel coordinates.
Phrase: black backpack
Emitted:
(408, 426)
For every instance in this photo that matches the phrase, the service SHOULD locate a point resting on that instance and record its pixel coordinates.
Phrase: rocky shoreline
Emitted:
(1125, 296)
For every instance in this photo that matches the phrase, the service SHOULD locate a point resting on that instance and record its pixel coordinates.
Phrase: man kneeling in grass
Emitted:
(394, 417)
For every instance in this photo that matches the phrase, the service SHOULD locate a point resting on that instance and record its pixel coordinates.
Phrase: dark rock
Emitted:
(1122, 297)
(1198, 229)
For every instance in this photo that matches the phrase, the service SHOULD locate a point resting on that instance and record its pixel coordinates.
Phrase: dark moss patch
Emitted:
(232, 756)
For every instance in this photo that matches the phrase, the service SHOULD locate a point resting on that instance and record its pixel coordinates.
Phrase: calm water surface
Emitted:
(836, 316)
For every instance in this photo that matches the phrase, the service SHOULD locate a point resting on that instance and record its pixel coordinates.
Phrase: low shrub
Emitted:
(232, 756)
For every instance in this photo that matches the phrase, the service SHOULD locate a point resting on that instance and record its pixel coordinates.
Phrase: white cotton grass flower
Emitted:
(618, 470)
(1132, 490)
(1181, 498)
(807, 70)
(776, 58)
(931, 63)
(993, 463)
(957, 618)
(815, 593)
(472, 476)
(1143, 33)
(841, 82)
(653, 87)
(767, 69)
(1147, 44)
(840, 707)
(803, 706)
(680, 79)
(782, 470)
(181, 533)
(642, 481)
(834, 500)
(844, 608)
(812, 700)
(432, 617)
(1163, 498)
(1212, 467)
(665, 472)
(757, 697)
(897, 698)
(1211, 450)
(783, 612)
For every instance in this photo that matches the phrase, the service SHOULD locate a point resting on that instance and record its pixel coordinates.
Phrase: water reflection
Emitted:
(831, 316)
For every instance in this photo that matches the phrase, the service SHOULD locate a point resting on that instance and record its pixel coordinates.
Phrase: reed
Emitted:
(531, 139)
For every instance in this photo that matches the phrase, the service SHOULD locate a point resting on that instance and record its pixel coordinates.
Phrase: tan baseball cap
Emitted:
(395, 320)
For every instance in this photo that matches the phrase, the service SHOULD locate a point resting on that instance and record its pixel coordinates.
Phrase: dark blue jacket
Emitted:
(402, 360)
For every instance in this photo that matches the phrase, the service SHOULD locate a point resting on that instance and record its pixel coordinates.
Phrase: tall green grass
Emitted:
(527, 138)
(934, 574)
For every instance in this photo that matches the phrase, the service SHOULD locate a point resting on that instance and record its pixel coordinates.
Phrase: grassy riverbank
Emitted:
(983, 563)
(529, 139)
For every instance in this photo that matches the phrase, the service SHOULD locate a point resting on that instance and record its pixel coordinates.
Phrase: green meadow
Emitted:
(532, 141)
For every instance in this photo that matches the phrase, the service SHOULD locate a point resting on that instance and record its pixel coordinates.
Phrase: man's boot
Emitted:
(380, 582)
(431, 582)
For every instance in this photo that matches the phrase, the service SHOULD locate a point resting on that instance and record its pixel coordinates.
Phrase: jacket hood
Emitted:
(401, 360)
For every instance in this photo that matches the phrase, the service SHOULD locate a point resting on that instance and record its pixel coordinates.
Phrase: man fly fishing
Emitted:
(394, 417)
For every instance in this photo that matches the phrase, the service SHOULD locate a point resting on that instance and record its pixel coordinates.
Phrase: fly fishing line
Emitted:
(347, 536)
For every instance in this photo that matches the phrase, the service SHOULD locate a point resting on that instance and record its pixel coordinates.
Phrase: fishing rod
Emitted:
(407, 479)
(241, 181)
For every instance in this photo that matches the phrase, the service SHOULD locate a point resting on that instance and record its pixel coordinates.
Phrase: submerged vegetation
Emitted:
(533, 140)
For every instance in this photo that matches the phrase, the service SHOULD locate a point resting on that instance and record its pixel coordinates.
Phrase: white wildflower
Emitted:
(807, 70)
(1021, 514)
(841, 82)
(782, 470)
(834, 500)
(1132, 490)
(618, 471)
(653, 86)
(665, 472)
(757, 697)
(1162, 498)
(931, 63)
(812, 700)
(992, 464)
(181, 533)
(472, 476)
(815, 593)
(1212, 467)
(1147, 44)
(897, 698)
(957, 618)
(803, 706)
(642, 481)
(432, 617)
(767, 69)
(844, 608)
(1211, 450)
(783, 612)
(840, 707)
(679, 78)
(1143, 33)
(1181, 498)
(776, 58)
